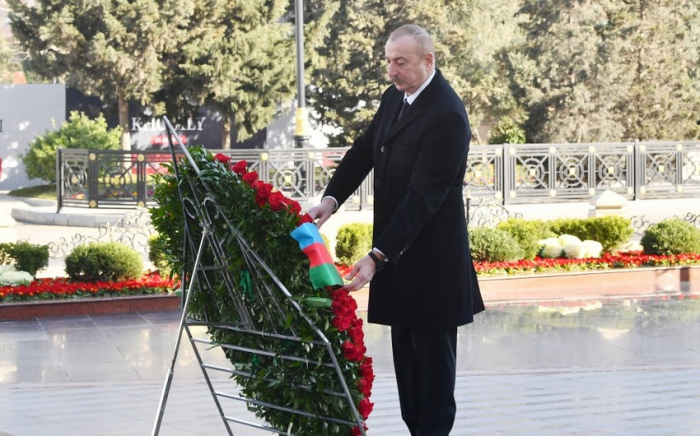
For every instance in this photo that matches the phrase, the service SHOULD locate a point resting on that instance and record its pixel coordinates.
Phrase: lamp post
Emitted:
(302, 131)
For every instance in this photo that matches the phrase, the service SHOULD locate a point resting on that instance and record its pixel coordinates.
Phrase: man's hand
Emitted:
(361, 274)
(322, 211)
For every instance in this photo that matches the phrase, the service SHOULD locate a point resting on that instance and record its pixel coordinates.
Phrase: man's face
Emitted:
(406, 67)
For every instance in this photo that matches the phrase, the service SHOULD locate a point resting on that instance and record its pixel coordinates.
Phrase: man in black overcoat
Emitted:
(422, 279)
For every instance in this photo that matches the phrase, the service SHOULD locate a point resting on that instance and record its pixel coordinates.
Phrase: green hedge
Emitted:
(493, 245)
(671, 236)
(527, 233)
(78, 132)
(103, 262)
(352, 242)
(25, 256)
(513, 239)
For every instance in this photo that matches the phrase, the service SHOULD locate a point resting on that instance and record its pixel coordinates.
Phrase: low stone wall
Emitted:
(592, 284)
(88, 306)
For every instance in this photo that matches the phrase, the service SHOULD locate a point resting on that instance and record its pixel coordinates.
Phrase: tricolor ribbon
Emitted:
(322, 269)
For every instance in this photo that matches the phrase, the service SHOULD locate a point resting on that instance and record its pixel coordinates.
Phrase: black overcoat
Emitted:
(419, 164)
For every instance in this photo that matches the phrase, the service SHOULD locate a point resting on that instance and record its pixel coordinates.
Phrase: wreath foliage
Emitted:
(264, 217)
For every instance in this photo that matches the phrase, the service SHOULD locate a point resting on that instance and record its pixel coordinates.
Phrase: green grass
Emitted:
(47, 192)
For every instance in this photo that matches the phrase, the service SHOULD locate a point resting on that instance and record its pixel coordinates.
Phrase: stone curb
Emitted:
(62, 219)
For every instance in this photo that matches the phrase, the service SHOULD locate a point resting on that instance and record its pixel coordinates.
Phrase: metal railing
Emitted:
(510, 174)
(106, 178)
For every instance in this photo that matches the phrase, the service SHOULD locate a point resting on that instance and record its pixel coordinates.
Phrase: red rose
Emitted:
(263, 191)
(342, 323)
(352, 352)
(339, 293)
(365, 407)
(276, 201)
(293, 206)
(357, 335)
(365, 386)
(251, 178)
(351, 303)
(366, 369)
(338, 308)
(223, 159)
(345, 308)
(306, 218)
(240, 167)
(356, 430)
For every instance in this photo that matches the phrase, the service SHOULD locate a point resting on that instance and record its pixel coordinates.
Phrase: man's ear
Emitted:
(430, 60)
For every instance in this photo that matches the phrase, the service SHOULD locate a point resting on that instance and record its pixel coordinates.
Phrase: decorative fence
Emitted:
(510, 174)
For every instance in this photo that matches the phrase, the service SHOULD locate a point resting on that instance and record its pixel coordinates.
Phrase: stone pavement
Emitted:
(597, 367)
(616, 367)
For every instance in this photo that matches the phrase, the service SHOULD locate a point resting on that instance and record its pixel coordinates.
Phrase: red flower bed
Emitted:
(153, 283)
(606, 261)
(634, 259)
(61, 288)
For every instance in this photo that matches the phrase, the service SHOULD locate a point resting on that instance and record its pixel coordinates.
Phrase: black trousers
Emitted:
(425, 362)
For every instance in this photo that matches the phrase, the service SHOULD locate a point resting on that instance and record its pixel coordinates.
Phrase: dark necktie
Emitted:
(404, 106)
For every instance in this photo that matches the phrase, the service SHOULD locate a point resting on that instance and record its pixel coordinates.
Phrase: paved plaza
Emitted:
(628, 366)
(616, 367)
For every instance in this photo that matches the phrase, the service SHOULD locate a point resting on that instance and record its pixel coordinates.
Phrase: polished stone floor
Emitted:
(615, 367)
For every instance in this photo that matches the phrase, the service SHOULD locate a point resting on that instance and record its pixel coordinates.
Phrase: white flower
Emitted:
(550, 248)
(13, 278)
(548, 241)
(592, 248)
(6, 268)
(574, 250)
(565, 240)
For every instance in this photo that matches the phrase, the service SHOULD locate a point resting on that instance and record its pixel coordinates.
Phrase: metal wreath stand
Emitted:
(201, 211)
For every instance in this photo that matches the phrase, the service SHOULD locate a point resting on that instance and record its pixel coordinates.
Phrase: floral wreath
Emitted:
(266, 218)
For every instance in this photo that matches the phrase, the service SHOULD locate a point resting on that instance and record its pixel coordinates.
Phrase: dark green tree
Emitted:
(345, 89)
(565, 74)
(660, 48)
(8, 64)
(470, 40)
(109, 49)
(604, 70)
(238, 58)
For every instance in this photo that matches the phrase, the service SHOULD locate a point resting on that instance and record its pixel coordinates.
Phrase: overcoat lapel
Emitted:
(416, 109)
(411, 114)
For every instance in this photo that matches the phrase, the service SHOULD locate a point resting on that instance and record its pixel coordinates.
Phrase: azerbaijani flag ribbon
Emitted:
(322, 269)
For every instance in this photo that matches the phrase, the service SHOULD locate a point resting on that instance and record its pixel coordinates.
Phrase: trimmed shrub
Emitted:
(326, 241)
(25, 256)
(103, 262)
(158, 255)
(611, 231)
(352, 242)
(493, 245)
(671, 236)
(78, 132)
(527, 233)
